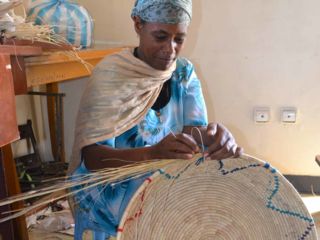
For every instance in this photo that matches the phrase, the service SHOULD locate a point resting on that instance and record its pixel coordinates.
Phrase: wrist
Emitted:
(151, 153)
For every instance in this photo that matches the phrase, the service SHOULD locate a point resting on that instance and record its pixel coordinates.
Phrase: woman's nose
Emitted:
(170, 47)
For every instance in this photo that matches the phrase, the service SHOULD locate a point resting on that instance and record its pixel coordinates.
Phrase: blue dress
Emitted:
(106, 204)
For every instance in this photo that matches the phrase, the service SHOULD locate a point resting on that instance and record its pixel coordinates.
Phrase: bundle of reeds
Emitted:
(65, 186)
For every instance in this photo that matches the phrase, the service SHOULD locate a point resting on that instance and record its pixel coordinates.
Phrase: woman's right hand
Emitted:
(179, 146)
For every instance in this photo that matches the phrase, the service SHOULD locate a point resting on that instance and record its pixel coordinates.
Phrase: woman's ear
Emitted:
(137, 24)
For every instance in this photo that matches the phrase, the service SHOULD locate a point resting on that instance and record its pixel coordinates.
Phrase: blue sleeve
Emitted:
(108, 142)
(194, 107)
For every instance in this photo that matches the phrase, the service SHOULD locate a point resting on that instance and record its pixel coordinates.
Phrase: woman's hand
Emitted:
(180, 146)
(220, 143)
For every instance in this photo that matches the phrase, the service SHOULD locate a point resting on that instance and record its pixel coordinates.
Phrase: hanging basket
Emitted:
(242, 198)
(68, 19)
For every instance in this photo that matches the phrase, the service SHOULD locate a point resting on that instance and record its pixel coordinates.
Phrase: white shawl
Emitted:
(121, 90)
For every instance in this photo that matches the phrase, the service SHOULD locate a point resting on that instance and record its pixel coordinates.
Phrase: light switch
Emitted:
(261, 114)
(289, 115)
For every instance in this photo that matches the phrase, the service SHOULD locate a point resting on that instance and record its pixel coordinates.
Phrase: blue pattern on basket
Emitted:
(174, 177)
(169, 176)
(274, 192)
(307, 232)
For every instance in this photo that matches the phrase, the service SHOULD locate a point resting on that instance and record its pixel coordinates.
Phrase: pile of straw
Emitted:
(43, 35)
(14, 26)
(35, 33)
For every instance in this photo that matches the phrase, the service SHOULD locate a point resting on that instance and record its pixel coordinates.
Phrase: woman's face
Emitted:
(160, 43)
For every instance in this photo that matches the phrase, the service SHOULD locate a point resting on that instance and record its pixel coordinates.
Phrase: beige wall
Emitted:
(247, 54)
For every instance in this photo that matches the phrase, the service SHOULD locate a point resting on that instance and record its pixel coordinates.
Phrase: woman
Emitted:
(142, 104)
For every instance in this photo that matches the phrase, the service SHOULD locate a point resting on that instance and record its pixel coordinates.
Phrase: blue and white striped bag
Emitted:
(68, 19)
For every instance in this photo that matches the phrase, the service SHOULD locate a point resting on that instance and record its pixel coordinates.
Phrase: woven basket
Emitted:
(242, 198)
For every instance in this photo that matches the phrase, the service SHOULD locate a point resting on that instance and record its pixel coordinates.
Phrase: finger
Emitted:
(220, 154)
(180, 148)
(228, 150)
(234, 152)
(182, 144)
(220, 141)
(239, 152)
(212, 129)
(188, 141)
(178, 155)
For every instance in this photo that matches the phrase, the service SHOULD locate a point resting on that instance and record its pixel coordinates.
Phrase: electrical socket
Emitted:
(289, 115)
(261, 114)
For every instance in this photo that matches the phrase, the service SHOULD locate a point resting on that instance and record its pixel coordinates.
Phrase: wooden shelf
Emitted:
(62, 65)
(20, 50)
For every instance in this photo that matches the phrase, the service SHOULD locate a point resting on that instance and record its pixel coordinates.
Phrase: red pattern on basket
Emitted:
(139, 212)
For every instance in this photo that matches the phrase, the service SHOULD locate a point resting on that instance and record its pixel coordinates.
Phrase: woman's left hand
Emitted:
(220, 143)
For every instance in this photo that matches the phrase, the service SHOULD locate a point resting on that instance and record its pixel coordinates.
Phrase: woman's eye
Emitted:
(160, 38)
(179, 40)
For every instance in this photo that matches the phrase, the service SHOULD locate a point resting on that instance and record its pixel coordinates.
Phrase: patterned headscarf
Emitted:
(163, 11)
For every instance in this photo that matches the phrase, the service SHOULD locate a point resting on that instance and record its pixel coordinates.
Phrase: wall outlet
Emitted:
(261, 114)
(289, 115)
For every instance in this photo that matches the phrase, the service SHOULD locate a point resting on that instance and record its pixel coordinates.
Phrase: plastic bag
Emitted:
(68, 19)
